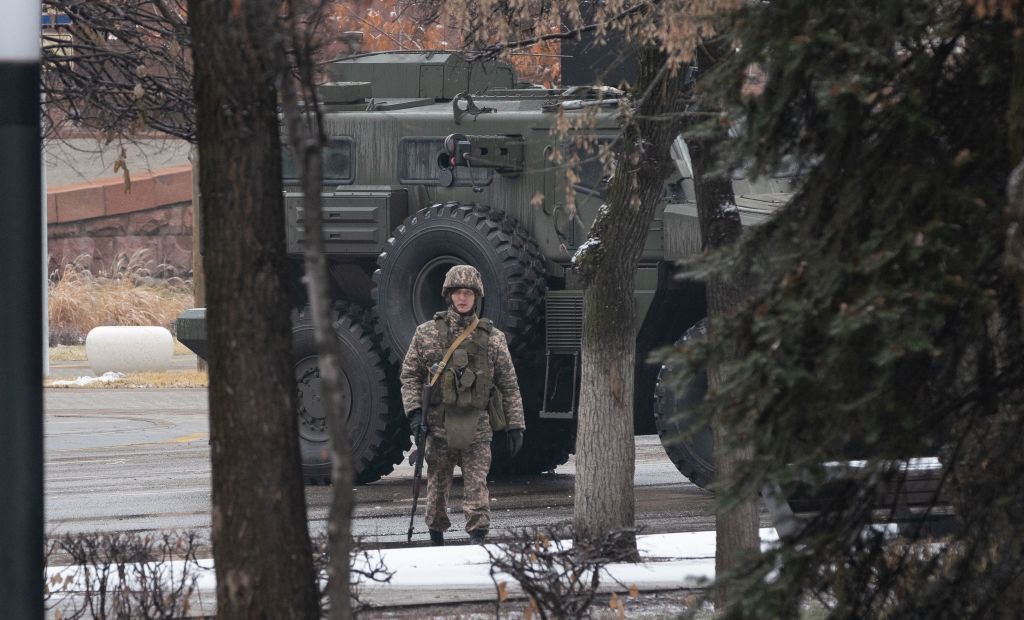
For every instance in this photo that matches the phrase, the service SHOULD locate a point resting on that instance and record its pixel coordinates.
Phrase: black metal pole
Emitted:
(21, 292)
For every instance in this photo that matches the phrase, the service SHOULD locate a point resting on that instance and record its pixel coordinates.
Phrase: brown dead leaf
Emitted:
(634, 592)
(502, 591)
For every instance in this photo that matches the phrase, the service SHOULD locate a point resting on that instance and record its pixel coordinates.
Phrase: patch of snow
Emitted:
(924, 462)
(729, 208)
(681, 155)
(592, 242)
(106, 377)
(669, 561)
(459, 573)
(608, 91)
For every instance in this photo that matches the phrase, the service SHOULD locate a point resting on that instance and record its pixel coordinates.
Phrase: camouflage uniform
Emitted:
(428, 347)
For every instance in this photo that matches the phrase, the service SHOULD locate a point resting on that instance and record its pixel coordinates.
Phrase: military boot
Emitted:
(477, 537)
(436, 538)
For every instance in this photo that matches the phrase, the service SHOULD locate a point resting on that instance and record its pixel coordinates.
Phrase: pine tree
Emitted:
(885, 320)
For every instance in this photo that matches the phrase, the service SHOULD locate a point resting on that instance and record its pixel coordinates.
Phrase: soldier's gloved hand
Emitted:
(515, 441)
(415, 421)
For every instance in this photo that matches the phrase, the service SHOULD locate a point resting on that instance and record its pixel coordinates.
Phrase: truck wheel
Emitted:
(377, 427)
(546, 445)
(412, 267)
(690, 449)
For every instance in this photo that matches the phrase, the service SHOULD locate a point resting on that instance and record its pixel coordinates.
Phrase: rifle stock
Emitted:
(421, 447)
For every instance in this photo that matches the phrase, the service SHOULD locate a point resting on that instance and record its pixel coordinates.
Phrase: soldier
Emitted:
(474, 389)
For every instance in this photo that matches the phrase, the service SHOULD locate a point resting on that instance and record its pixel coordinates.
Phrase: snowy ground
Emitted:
(452, 575)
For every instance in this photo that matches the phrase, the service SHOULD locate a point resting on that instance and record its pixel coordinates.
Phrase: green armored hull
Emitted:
(434, 161)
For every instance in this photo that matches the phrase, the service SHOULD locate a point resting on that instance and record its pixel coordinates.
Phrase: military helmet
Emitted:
(462, 276)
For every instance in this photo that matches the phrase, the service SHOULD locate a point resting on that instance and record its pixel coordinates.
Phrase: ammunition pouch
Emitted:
(465, 389)
(460, 426)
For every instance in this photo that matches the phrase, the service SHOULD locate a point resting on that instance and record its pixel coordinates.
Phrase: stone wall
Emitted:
(102, 220)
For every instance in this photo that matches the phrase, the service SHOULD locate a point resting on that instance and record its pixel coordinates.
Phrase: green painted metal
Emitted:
(409, 130)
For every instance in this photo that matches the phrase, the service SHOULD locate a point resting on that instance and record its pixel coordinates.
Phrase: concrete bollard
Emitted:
(129, 349)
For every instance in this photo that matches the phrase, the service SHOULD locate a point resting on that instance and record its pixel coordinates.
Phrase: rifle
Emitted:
(421, 447)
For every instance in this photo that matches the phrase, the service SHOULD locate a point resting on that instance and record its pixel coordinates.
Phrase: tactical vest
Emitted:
(465, 383)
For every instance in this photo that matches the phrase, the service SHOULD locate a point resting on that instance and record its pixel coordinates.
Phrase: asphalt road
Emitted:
(138, 460)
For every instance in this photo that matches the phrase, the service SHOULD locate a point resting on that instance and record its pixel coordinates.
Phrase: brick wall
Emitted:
(102, 220)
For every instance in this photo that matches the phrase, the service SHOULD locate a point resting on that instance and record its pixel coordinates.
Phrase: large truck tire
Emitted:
(690, 449)
(546, 445)
(412, 267)
(378, 429)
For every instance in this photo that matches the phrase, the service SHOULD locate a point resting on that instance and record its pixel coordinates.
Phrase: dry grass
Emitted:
(76, 352)
(125, 294)
(67, 353)
(192, 379)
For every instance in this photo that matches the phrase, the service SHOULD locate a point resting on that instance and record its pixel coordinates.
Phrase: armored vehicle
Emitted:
(434, 160)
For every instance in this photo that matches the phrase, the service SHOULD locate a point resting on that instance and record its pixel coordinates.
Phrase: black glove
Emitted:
(515, 441)
(415, 421)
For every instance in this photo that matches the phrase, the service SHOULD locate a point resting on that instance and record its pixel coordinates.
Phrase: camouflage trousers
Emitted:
(475, 461)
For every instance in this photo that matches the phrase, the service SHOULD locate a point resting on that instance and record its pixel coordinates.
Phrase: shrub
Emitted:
(560, 577)
(126, 294)
(123, 575)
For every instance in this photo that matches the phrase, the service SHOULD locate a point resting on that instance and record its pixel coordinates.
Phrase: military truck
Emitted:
(434, 160)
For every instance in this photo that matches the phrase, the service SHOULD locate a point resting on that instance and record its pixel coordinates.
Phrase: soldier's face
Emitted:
(463, 299)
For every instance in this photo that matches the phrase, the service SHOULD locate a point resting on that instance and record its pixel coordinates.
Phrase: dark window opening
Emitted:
(417, 164)
(337, 162)
(593, 176)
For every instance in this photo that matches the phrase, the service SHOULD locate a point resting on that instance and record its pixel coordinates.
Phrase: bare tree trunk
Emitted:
(339, 528)
(605, 458)
(1015, 184)
(604, 500)
(736, 529)
(198, 278)
(1015, 237)
(305, 131)
(260, 540)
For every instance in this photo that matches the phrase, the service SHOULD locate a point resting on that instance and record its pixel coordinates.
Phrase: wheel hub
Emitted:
(426, 288)
(309, 400)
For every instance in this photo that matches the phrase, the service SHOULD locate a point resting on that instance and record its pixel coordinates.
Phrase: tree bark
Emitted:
(736, 529)
(305, 132)
(198, 278)
(260, 541)
(1015, 184)
(604, 500)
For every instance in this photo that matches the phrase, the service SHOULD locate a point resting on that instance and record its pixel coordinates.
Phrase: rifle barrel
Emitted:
(421, 447)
